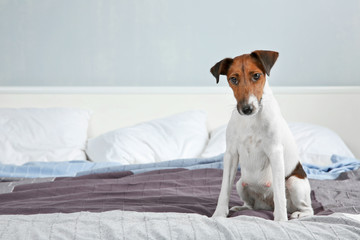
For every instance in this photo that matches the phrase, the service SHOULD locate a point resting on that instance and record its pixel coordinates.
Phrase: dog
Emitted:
(259, 139)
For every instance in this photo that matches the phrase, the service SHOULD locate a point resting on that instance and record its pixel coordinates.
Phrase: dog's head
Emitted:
(246, 77)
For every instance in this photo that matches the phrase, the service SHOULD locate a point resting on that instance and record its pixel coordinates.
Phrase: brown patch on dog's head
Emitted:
(267, 59)
(221, 68)
(246, 77)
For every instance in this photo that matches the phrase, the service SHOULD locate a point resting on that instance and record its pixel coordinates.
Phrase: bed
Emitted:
(146, 163)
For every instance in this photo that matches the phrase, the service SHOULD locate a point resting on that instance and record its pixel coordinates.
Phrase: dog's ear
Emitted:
(221, 68)
(266, 58)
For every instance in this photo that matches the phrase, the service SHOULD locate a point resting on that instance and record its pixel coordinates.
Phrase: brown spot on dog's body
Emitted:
(297, 172)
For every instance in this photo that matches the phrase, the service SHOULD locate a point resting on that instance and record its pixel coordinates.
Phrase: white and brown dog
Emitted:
(258, 137)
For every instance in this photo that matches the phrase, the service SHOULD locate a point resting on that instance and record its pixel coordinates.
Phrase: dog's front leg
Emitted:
(231, 162)
(276, 157)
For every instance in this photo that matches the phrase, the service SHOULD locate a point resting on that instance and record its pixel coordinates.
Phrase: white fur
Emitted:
(254, 102)
(264, 146)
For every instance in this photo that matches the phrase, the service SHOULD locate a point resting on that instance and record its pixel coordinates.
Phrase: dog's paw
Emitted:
(240, 208)
(280, 217)
(298, 214)
(236, 208)
(220, 213)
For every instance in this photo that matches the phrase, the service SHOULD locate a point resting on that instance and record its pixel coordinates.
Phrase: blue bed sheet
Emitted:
(339, 165)
(51, 169)
(79, 168)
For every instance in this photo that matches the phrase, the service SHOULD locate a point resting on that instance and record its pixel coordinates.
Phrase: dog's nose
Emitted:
(247, 109)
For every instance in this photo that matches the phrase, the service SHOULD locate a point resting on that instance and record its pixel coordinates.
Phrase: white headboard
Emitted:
(337, 108)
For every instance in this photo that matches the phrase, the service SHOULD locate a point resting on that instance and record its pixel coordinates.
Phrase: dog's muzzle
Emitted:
(246, 109)
(249, 106)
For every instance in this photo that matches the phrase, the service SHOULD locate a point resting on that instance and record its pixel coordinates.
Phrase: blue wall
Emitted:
(174, 43)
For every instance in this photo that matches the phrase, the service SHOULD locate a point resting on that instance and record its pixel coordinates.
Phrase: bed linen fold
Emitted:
(80, 168)
(168, 190)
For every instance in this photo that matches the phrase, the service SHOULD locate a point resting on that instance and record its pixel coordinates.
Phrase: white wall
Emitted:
(174, 43)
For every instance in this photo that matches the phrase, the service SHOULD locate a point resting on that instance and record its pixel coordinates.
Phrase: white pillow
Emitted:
(316, 144)
(180, 136)
(217, 142)
(42, 134)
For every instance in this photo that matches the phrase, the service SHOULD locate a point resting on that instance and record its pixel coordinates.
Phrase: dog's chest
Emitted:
(252, 156)
(251, 139)
(251, 144)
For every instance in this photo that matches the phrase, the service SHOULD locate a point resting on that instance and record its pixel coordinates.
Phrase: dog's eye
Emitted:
(256, 76)
(234, 80)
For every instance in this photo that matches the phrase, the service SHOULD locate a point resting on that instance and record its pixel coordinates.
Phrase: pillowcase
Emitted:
(316, 144)
(217, 143)
(180, 136)
(42, 134)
